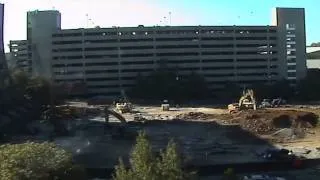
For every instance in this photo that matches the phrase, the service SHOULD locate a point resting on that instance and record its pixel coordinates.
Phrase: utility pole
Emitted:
(87, 20)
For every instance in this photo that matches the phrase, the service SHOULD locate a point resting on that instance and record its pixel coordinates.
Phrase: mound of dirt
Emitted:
(262, 122)
(268, 121)
(201, 116)
(193, 116)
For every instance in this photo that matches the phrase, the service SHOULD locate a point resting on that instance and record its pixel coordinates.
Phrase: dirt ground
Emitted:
(294, 127)
(206, 135)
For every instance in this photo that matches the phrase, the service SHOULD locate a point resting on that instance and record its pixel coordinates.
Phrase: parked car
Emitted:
(278, 154)
(261, 177)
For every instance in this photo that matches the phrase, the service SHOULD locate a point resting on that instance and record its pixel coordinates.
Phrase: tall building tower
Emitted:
(3, 62)
(40, 26)
(2, 55)
(290, 23)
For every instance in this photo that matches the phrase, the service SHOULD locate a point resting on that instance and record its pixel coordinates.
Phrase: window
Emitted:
(290, 26)
(292, 67)
(291, 53)
(292, 74)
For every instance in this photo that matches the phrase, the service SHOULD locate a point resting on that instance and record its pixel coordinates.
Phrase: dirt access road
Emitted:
(293, 127)
(205, 135)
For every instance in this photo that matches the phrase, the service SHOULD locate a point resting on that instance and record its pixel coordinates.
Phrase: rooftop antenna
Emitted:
(170, 17)
(87, 19)
(53, 7)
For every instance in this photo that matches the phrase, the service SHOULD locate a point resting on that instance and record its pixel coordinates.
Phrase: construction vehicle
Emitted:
(277, 102)
(268, 103)
(124, 106)
(233, 108)
(165, 106)
(246, 101)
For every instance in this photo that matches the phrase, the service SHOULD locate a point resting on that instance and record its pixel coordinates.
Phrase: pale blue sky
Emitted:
(106, 13)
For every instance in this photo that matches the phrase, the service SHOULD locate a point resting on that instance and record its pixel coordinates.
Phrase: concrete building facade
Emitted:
(290, 24)
(40, 26)
(3, 64)
(20, 56)
(108, 60)
(313, 57)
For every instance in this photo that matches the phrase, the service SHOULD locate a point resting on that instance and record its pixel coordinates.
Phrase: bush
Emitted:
(37, 161)
(144, 165)
(168, 84)
(229, 174)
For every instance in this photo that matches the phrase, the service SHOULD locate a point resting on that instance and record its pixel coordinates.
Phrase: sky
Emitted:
(107, 13)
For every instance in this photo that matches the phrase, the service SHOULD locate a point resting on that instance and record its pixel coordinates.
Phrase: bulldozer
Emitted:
(124, 106)
(246, 101)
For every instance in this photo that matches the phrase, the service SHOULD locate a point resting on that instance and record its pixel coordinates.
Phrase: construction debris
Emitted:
(195, 116)
(287, 123)
(267, 121)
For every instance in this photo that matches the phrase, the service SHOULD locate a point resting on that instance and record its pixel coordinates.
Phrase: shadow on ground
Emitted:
(98, 146)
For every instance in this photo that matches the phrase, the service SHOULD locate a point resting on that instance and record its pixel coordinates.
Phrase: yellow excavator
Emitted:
(125, 106)
(246, 101)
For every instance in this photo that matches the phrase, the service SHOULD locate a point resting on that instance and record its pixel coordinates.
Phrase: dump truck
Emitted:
(165, 106)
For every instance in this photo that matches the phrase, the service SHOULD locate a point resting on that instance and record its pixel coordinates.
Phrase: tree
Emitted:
(38, 89)
(37, 161)
(167, 84)
(169, 164)
(309, 87)
(315, 44)
(231, 92)
(144, 164)
(229, 174)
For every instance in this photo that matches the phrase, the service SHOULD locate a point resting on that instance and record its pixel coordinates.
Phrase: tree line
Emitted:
(168, 84)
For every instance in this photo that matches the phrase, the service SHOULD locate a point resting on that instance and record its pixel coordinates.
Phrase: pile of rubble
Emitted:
(267, 121)
(70, 112)
(195, 116)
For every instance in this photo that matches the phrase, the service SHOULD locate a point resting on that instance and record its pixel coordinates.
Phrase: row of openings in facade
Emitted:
(163, 39)
(178, 46)
(176, 32)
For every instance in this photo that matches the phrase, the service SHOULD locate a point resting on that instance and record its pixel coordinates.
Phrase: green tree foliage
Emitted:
(169, 164)
(315, 44)
(166, 84)
(231, 92)
(309, 88)
(278, 89)
(32, 94)
(19, 81)
(144, 164)
(229, 174)
(37, 161)
(38, 89)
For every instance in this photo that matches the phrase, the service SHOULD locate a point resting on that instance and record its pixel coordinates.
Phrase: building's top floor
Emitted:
(142, 30)
(37, 12)
(16, 43)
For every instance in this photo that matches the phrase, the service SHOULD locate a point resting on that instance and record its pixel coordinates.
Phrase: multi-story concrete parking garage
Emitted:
(108, 60)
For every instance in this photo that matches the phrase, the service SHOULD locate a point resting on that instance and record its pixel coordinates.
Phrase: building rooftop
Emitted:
(313, 54)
